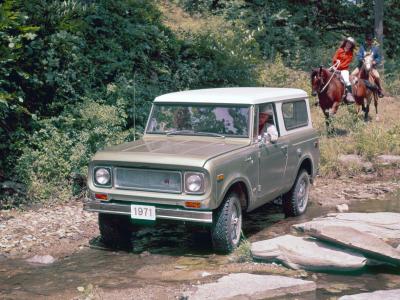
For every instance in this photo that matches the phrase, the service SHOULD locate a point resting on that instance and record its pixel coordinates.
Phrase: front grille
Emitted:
(148, 180)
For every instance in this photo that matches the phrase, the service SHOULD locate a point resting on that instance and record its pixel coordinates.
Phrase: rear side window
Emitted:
(295, 114)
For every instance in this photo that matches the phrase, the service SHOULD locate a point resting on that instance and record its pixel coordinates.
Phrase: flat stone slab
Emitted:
(251, 286)
(307, 253)
(351, 159)
(41, 259)
(384, 225)
(365, 243)
(388, 159)
(378, 295)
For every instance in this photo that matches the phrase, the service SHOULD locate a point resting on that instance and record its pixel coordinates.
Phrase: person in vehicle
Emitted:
(342, 58)
(370, 47)
(266, 126)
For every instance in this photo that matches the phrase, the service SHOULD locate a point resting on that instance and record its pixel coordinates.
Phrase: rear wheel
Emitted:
(296, 200)
(115, 231)
(227, 225)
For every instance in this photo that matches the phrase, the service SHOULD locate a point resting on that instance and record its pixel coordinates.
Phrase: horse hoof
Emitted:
(377, 119)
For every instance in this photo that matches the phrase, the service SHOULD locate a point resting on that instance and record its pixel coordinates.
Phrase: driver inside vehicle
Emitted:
(266, 126)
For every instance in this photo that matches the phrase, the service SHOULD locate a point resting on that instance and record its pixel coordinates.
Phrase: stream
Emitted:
(172, 258)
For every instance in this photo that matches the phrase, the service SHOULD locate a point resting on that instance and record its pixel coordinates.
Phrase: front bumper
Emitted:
(161, 213)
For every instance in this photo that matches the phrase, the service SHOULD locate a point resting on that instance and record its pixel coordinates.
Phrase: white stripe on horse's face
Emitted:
(367, 61)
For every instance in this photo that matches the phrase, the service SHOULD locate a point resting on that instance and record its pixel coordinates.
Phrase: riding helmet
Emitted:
(351, 40)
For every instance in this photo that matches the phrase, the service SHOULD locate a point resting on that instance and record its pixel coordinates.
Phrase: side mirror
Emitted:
(261, 140)
(267, 138)
(273, 138)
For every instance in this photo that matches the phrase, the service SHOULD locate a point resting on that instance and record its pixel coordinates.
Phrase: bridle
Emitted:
(320, 81)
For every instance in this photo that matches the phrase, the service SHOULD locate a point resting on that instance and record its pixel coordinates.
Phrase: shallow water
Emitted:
(174, 246)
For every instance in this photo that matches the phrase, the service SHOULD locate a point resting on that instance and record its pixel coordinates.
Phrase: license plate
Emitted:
(143, 212)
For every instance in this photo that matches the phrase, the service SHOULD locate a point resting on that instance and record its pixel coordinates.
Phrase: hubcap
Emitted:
(302, 194)
(236, 224)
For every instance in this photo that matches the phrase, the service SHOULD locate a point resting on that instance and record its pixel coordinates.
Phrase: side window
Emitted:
(295, 114)
(266, 115)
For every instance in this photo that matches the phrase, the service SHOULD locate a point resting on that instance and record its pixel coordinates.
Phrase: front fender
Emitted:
(229, 183)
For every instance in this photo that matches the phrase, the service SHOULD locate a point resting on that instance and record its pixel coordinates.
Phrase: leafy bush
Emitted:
(60, 150)
(79, 75)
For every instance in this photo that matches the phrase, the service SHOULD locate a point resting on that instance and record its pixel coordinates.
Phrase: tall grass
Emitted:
(353, 135)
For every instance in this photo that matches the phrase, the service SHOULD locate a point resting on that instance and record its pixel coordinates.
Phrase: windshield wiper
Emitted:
(176, 132)
(210, 134)
(187, 131)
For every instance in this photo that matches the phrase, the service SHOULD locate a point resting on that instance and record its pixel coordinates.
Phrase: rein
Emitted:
(333, 67)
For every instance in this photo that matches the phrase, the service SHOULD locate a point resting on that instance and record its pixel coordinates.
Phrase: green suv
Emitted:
(206, 157)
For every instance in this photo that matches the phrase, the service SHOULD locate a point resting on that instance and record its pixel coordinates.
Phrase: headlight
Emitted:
(102, 176)
(194, 183)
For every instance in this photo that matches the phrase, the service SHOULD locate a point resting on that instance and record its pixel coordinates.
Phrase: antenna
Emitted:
(134, 106)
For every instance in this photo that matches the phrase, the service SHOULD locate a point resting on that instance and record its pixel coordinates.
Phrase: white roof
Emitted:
(237, 95)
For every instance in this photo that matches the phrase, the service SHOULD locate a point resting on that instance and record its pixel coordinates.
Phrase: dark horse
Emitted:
(330, 90)
(364, 90)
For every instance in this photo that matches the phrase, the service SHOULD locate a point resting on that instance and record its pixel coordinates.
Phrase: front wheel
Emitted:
(295, 201)
(227, 225)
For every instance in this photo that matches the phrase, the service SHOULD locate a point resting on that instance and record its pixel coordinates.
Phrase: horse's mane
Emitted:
(324, 72)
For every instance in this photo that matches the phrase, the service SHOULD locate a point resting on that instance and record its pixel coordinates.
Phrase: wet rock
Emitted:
(384, 225)
(364, 243)
(388, 159)
(250, 286)
(41, 259)
(337, 288)
(12, 186)
(145, 254)
(368, 167)
(307, 253)
(342, 207)
(377, 295)
(205, 274)
(351, 160)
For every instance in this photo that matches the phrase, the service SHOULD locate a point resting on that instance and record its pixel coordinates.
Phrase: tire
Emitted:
(295, 201)
(115, 231)
(227, 225)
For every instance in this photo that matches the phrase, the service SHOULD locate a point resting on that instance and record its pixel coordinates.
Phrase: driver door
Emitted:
(272, 164)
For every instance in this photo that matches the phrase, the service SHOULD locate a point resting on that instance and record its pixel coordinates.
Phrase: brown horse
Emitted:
(364, 90)
(330, 90)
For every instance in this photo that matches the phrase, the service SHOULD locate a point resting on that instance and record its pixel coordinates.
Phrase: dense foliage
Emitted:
(78, 75)
(305, 32)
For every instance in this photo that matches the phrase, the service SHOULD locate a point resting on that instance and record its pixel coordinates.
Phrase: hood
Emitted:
(170, 151)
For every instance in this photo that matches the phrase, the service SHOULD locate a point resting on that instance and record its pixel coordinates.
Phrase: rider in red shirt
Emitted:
(343, 57)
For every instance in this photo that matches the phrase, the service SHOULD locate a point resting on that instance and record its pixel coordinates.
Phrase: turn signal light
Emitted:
(101, 196)
(193, 204)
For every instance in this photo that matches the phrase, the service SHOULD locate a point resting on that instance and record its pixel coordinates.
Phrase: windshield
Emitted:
(192, 119)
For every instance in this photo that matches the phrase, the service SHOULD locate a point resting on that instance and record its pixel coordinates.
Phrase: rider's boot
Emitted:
(379, 90)
(349, 99)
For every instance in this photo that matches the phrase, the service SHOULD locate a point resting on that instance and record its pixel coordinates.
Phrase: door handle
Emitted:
(249, 159)
(284, 149)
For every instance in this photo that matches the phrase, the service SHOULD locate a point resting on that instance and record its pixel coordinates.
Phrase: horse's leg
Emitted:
(368, 100)
(328, 123)
(376, 107)
(335, 107)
